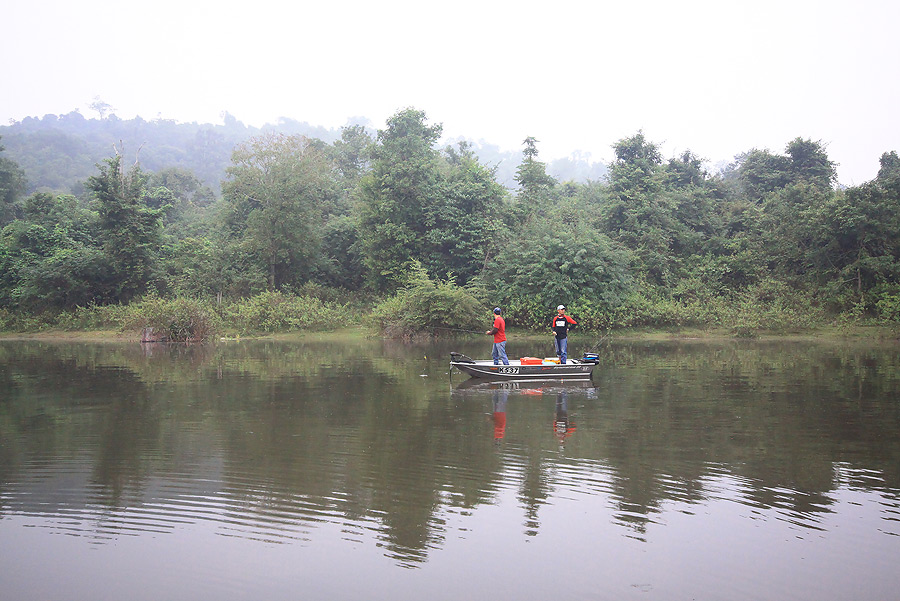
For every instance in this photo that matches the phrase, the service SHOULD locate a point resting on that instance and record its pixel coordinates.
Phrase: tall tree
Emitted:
(50, 257)
(275, 189)
(463, 228)
(638, 213)
(102, 108)
(637, 167)
(810, 163)
(397, 196)
(129, 229)
(760, 173)
(889, 171)
(798, 187)
(341, 263)
(860, 241)
(352, 153)
(535, 186)
(12, 186)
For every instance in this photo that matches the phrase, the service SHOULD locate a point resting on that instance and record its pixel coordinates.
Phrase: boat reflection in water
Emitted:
(563, 425)
(535, 386)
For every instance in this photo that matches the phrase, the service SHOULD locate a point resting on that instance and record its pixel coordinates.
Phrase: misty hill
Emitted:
(59, 152)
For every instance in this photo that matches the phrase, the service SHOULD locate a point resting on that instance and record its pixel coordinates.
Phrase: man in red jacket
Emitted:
(561, 325)
(499, 334)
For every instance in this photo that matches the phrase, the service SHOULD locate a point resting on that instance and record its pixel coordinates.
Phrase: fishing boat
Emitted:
(526, 368)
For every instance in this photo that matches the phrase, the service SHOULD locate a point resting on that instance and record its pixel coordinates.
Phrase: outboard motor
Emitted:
(460, 358)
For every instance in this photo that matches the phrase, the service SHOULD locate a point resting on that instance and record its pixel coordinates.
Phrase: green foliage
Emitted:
(535, 186)
(182, 319)
(462, 227)
(810, 163)
(646, 307)
(174, 320)
(419, 205)
(59, 152)
(129, 229)
(93, 317)
(81, 318)
(639, 214)
(352, 153)
(12, 186)
(761, 173)
(183, 184)
(275, 188)
(857, 245)
(549, 262)
(425, 307)
(397, 196)
(792, 218)
(771, 306)
(886, 300)
(766, 245)
(66, 278)
(273, 311)
(342, 264)
(637, 168)
(196, 268)
(49, 257)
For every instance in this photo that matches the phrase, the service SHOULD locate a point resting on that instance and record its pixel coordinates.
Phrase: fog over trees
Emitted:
(59, 152)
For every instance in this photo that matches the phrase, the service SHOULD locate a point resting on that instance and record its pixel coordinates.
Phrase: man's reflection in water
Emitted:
(562, 425)
(500, 398)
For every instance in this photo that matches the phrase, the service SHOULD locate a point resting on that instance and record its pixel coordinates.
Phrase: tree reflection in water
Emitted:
(274, 440)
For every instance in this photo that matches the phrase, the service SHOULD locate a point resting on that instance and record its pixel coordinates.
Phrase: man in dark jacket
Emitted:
(561, 325)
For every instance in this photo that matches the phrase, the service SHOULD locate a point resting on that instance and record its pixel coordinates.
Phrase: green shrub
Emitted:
(642, 309)
(886, 302)
(280, 312)
(176, 320)
(428, 307)
(772, 306)
(92, 317)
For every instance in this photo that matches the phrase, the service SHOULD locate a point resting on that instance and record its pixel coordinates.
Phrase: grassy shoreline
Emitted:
(870, 333)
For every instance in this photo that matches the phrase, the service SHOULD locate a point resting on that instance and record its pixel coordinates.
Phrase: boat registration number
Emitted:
(508, 370)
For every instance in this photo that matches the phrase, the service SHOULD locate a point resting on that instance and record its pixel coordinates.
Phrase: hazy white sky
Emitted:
(715, 77)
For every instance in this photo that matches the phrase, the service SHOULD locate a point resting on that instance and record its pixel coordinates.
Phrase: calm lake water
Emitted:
(343, 470)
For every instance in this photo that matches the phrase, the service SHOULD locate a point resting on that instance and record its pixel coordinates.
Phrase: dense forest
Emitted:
(298, 227)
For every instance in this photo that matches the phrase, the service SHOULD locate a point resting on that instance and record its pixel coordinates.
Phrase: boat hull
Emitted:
(516, 371)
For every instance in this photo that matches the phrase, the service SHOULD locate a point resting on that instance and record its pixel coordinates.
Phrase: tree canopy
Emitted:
(376, 214)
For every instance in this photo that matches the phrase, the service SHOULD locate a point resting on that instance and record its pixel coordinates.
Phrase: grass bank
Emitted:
(420, 311)
(855, 333)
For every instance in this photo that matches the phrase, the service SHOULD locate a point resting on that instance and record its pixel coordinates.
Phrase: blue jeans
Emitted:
(499, 353)
(562, 345)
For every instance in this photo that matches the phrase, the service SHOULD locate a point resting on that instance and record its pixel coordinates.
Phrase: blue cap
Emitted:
(497, 310)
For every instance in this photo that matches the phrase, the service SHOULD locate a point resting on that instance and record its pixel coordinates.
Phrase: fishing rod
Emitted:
(456, 330)
(599, 342)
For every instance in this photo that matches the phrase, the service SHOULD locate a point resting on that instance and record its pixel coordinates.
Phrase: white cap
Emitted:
(560, 307)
